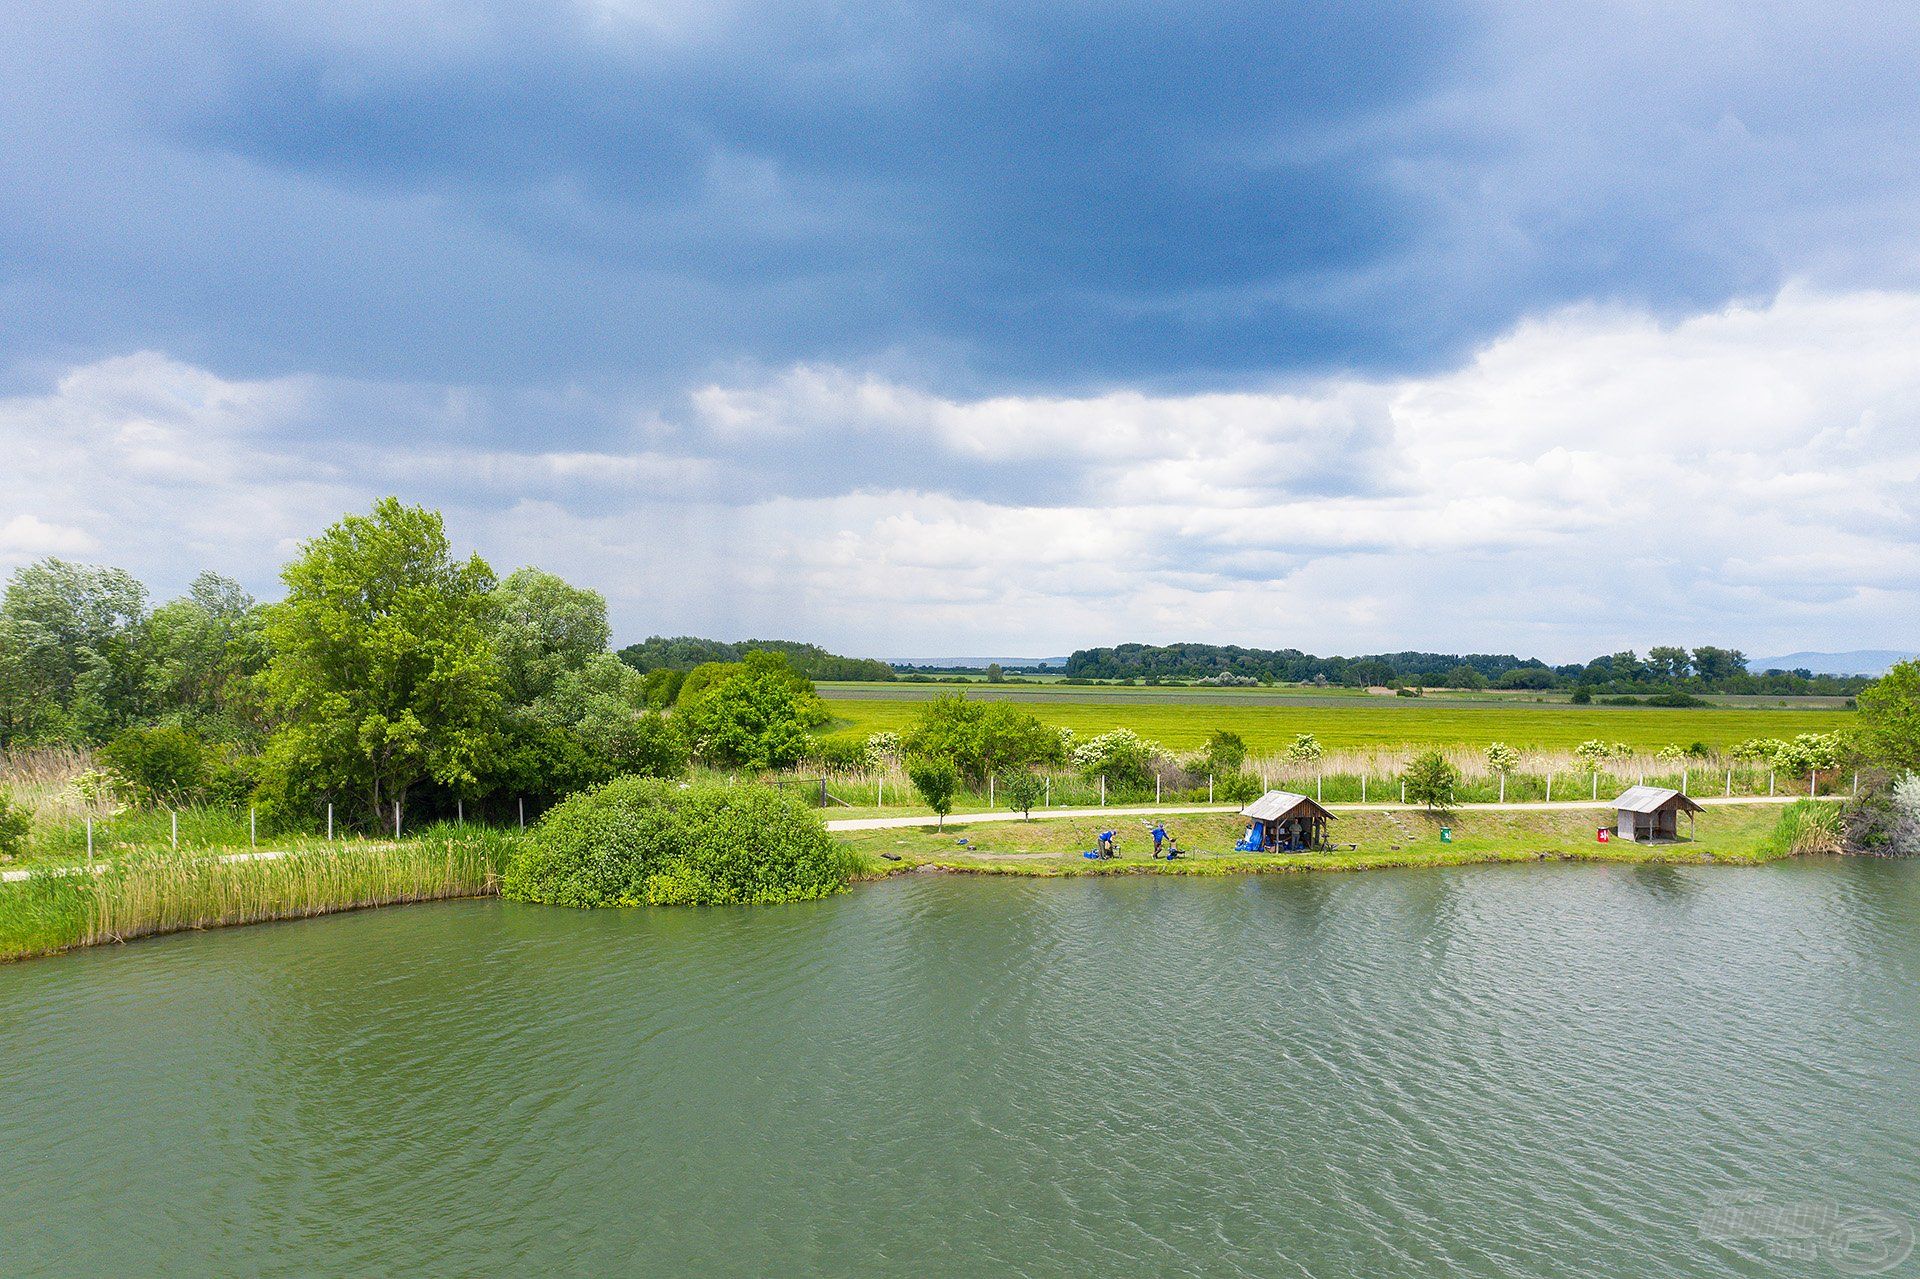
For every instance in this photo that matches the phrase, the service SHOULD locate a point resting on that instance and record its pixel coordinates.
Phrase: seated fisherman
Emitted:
(1173, 848)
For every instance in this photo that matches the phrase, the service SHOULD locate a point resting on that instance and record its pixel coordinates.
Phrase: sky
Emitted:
(972, 328)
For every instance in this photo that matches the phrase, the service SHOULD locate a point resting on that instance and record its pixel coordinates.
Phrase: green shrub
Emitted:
(164, 764)
(640, 841)
(1236, 788)
(15, 824)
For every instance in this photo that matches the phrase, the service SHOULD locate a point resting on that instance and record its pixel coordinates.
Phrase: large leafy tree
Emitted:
(382, 670)
(78, 632)
(981, 738)
(544, 629)
(1890, 718)
(758, 713)
(204, 650)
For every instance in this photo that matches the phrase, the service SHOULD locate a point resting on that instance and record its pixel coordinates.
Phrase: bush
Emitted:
(936, 780)
(1581, 697)
(1122, 756)
(1431, 780)
(1805, 826)
(640, 841)
(1022, 790)
(161, 765)
(1237, 788)
(15, 825)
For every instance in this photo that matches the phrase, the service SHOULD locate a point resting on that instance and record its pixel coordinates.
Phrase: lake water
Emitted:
(1501, 1071)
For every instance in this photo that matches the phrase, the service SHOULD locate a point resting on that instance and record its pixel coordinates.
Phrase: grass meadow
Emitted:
(1379, 723)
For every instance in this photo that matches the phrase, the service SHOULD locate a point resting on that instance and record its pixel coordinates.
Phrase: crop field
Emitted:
(1378, 723)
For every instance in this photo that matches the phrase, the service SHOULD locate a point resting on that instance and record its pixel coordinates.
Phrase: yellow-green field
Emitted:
(1386, 723)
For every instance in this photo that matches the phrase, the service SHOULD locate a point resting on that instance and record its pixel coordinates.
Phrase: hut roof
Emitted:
(1275, 804)
(1651, 799)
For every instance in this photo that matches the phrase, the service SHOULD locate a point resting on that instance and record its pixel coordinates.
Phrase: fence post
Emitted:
(1729, 782)
(329, 821)
(1103, 790)
(1549, 785)
(1856, 781)
(1403, 792)
(1047, 802)
(1813, 782)
(396, 819)
(1685, 773)
(1503, 789)
(176, 830)
(1363, 788)
(1209, 788)
(1769, 783)
(522, 802)
(459, 812)
(1156, 789)
(989, 790)
(1596, 786)
(253, 826)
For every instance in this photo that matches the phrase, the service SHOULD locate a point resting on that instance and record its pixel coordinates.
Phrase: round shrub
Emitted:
(644, 842)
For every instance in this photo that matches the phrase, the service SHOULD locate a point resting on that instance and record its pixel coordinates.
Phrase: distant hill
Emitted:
(1864, 661)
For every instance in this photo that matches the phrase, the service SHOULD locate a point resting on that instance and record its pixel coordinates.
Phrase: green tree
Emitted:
(84, 626)
(994, 674)
(382, 670)
(1431, 780)
(604, 704)
(981, 739)
(1225, 752)
(1890, 718)
(544, 628)
(936, 780)
(1022, 790)
(1463, 676)
(204, 651)
(759, 713)
(1668, 662)
(164, 764)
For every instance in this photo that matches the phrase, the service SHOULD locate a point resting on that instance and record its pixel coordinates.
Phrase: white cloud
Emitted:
(1594, 478)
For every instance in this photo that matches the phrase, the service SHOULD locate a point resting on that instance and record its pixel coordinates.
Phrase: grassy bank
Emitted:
(1732, 834)
(144, 894)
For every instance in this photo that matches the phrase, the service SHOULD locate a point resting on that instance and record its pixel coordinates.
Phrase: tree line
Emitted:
(392, 673)
(1665, 669)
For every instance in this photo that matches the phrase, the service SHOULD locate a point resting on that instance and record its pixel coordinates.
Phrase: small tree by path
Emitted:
(1431, 780)
(936, 780)
(1022, 791)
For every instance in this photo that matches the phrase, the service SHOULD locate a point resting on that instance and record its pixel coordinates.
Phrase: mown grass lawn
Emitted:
(1053, 846)
(1384, 724)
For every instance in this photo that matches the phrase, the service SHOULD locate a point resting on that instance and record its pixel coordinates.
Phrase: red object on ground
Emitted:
(1605, 834)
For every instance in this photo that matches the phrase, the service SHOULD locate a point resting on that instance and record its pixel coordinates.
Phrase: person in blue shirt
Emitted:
(1159, 833)
(1106, 844)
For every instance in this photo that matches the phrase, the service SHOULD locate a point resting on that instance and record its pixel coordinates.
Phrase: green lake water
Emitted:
(1500, 1071)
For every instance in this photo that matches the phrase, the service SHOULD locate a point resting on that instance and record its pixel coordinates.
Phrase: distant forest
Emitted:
(1664, 669)
(684, 652)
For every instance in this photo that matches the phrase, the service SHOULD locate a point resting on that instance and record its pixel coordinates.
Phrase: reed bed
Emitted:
(145, 894)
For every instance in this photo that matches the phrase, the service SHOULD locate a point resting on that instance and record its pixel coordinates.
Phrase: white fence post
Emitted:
(989, 790)
(1209, 788)
(1856, 781)
(1103, 790)
(329, 821)
(253, 826)
(396, 819)
(1047, 801)
(522, 802)
(459, 812)
(1363, 788)
(1813, 781)
(1503, 788)
(1403, 792)
(1596, 786)
(1156, 787)
(1549, 785)
(1769, 783)
(1685, 773)
(1729, 781)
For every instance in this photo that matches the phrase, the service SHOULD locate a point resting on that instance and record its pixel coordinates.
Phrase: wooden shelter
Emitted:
(1649, 814)
(1283, 822)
